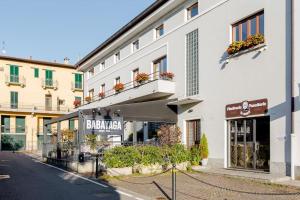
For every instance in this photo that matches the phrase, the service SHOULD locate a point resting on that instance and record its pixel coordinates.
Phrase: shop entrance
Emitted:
(250, 143)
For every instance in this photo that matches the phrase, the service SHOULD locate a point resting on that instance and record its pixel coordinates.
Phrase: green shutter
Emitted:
(72, 124)
(49, 74)
(14, 99)
(14, 73)
(5, 123)
(78, 81)
(20, 124)
(36, 72)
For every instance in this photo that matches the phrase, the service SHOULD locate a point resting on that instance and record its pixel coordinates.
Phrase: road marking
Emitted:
(4, 177)
(89, 180)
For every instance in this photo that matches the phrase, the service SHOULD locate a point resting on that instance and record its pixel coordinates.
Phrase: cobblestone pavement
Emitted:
(205, 186)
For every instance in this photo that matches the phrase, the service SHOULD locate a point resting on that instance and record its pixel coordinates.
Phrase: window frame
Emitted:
(135, 46)
(158, 34)
(117, 57)
(14, 99)
(248, 21)
(133, 76)
(189, 10)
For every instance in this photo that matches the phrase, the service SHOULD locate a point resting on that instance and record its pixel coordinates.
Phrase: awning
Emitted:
(151, 111)
(184, 101)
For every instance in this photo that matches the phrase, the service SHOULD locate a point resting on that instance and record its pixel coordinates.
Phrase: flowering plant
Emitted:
(119, 87)
(88, 99)
(167, 75)
(142, 77)
(251, 41)
(77, 103)
(101, 94)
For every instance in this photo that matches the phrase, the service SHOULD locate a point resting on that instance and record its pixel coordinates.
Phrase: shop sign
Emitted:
(247, 108)
(103, 125)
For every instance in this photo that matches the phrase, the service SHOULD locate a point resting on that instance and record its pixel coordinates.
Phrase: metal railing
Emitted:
(15, 80)
(49, 83)
(76, 86)
(34, 108)
(128, 86)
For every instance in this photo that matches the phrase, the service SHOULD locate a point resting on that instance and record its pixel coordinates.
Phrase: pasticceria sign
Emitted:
(103, 125)
(247, 108)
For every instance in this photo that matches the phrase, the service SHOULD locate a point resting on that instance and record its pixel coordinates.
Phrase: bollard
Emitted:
(174, 182)
(96, 174)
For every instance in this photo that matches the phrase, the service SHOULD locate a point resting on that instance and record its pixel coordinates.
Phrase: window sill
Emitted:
(260, 48)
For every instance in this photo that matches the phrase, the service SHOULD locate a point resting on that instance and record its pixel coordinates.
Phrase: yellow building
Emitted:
(32, 92)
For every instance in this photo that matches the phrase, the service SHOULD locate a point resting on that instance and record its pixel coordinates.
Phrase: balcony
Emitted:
(156, 87)
(15, 80)
(9, 107)
(76, 86)
(49, 84)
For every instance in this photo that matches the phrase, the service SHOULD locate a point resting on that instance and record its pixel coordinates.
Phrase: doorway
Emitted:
(249, 140)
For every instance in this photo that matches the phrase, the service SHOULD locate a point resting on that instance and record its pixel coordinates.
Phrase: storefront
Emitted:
(248, 135)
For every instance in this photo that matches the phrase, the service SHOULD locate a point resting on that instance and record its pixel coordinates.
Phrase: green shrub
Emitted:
(150, 155)
(121, 156)
(204, 147)
(195, 156)
(178, 153)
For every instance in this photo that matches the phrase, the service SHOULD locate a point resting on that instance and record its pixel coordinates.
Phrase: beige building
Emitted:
(32, 92)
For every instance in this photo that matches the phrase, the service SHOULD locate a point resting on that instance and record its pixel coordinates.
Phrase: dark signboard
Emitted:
(103, 125)
(247, 108)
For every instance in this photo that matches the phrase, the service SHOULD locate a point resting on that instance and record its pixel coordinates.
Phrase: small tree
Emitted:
(91, 140)
(67, 138)
(204, 147)
(169, 135)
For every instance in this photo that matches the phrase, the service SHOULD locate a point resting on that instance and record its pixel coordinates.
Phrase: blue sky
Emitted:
(53, 29)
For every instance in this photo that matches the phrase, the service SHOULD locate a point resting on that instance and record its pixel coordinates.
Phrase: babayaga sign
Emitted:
(247, 108)
(103, 125)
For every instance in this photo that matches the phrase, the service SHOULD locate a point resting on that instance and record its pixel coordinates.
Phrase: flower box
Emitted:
(119, 87)
(141, 78)
(250, 42)
(167, 75)
(101, 95)
(125, 171)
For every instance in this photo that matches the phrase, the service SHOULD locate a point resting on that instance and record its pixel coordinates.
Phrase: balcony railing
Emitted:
(15, 80)
(76, 86)
(128, 86)
(49, 83)
(34, 108)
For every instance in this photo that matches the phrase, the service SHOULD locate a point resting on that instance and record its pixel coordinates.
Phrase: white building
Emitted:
(243, 102)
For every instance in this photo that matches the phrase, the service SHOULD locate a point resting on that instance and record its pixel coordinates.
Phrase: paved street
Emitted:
(23, 178)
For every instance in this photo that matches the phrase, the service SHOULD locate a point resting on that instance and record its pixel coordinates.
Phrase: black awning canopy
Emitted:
(151, 111)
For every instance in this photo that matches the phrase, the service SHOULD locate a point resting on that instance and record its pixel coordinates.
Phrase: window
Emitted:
(117, 57)
(91, 93)
(133, 78)
(117, 80)
(192, 11)
(48, 102)
(103, 88)
(159, 31)
(47, 120)
(192, 68)
(102, 66)
(159, 66)
(5, 124)
(135, 45)
(14, 100)
(91, 72)
(20, 124)
(193, 132)
(36, 72)
(249, 26)
(78, 81)
(49, 77)
(14, 74)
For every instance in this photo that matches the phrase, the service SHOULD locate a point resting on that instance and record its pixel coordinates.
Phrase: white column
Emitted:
(134, 137)
(146, 137)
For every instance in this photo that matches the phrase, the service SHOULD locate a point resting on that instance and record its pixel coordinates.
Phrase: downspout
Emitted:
(292, 93)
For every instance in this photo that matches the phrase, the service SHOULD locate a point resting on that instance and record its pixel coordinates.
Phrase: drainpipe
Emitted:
(292, 93)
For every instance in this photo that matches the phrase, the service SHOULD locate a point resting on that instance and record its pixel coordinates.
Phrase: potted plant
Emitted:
(88, 99)
(77, 103)
(119, 87)
(167, 75)
(251, 41)
(142, 78)
(204, 150)
(101, 95)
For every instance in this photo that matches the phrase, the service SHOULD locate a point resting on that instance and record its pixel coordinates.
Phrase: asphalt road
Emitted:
(24, 178)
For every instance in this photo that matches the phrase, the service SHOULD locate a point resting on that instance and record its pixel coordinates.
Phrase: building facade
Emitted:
(243, 98)
(34, 92)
